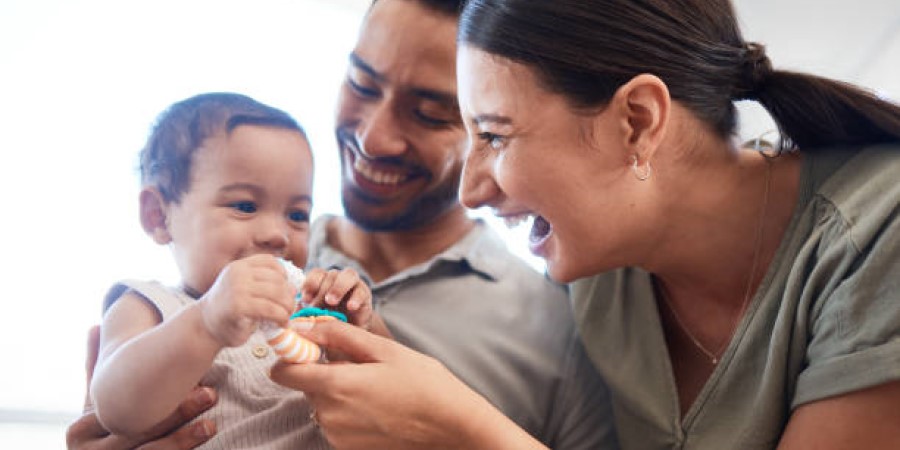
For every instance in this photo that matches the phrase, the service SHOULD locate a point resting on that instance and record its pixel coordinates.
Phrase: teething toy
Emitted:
(289, 345)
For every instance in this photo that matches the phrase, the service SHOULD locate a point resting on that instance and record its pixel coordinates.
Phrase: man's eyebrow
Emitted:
(362, 65)
(437, 96)
(493, 118)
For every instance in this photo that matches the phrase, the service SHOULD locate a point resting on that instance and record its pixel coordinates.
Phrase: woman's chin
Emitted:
(559, 272)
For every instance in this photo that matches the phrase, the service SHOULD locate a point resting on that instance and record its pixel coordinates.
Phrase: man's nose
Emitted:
(380, 134)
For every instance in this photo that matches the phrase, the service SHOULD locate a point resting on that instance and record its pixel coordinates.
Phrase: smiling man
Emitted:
(443, 282)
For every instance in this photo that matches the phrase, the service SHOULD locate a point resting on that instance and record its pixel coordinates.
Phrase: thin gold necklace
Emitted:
(714, 355)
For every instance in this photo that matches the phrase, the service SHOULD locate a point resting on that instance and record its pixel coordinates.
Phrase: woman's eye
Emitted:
(244, 207)
(298, 216)
(494, 141)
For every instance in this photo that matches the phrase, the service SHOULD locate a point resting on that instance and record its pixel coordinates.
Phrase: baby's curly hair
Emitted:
(181, 129)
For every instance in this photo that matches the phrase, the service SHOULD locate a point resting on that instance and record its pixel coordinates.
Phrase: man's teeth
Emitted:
(376, 176)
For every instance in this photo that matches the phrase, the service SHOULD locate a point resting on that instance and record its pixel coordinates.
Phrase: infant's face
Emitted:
(250, 193)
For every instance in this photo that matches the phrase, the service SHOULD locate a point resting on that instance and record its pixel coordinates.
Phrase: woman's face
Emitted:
(530, 154)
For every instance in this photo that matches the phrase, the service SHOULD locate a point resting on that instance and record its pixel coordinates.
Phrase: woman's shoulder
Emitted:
(861, 195)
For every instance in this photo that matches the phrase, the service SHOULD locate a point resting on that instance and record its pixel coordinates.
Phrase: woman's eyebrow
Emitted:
(492, 118)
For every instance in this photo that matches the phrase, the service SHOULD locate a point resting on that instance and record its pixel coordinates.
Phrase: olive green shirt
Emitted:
(824, 322)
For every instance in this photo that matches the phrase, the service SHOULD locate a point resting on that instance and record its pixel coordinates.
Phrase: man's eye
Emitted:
(244, 207)
(360, 89)
(298, 216)
(429, 120)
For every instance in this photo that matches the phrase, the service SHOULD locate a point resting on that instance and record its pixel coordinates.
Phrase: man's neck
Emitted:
(384, 254)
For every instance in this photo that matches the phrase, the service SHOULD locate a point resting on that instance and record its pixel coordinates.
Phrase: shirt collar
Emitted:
(481, 250)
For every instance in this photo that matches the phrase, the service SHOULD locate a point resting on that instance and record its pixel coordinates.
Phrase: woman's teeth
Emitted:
(377, 176)
(516, 220)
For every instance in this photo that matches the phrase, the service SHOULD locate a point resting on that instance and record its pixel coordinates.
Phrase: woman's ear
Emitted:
(644, 105)
(153, 215)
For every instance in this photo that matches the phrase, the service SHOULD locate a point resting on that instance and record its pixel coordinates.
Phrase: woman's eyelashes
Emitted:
(492, 140)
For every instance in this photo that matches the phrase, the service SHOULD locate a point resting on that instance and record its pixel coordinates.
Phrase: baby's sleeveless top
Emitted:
(252, 412)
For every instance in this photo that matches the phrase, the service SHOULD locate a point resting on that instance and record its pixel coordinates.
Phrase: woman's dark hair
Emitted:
(585, 50)
(449, 7)
(181, 129)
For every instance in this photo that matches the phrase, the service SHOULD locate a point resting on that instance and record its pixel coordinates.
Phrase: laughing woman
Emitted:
(732, 297)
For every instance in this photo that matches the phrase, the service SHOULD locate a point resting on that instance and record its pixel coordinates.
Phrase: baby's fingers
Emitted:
(343, 285)
(359, 306)
(315, 286)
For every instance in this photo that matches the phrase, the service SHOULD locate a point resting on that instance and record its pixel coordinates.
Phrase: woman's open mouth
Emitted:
(540, 231)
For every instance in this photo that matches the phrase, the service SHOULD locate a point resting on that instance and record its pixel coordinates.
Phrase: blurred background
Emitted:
(81, 82)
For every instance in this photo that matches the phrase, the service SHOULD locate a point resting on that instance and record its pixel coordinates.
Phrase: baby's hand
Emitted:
(246, 291)
(340, 289)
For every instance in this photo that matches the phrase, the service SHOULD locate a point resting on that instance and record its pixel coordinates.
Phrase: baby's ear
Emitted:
(153, 215)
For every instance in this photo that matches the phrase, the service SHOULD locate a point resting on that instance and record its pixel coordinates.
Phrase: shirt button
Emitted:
(260, 351)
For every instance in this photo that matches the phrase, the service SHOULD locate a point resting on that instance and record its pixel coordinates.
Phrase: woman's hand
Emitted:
(87, 433)
(388, 396)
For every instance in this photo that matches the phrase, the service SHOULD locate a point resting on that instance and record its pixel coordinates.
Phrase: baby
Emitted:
(227, 185)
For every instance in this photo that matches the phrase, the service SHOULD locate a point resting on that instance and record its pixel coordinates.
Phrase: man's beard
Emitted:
(419, 212)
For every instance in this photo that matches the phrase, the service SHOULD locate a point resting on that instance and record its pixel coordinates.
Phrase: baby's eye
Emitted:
(244, 207)
(298, 216)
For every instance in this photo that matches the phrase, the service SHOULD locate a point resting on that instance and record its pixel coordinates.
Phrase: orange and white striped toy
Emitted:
(289, 345)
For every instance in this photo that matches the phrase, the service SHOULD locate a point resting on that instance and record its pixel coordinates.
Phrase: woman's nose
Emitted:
(478, 186)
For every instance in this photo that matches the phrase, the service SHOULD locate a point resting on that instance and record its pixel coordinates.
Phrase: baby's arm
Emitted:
(345, 290)
(147, 368)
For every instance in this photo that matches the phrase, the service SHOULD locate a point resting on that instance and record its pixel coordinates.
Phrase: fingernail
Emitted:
(330, 299)
(203, 397)
(302, 325)
(203, 430)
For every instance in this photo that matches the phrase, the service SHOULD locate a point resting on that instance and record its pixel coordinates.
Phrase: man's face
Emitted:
(398, 126)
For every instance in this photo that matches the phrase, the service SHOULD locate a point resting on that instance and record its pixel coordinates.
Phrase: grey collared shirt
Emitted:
(501, 327)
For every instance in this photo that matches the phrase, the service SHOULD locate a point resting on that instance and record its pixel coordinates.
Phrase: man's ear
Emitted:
(644, 105)
(153, 215)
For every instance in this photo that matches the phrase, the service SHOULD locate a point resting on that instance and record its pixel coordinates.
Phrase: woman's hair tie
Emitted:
(755, 68)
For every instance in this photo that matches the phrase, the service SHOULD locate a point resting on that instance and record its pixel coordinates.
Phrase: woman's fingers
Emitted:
(360, 346)
(354, 344)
